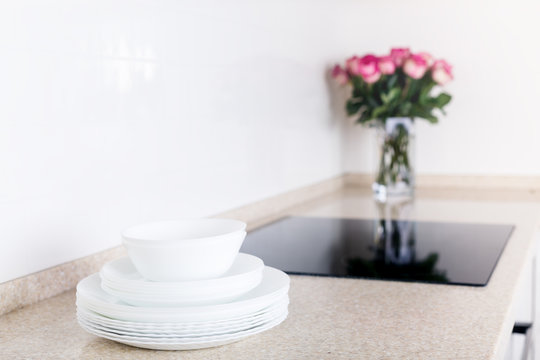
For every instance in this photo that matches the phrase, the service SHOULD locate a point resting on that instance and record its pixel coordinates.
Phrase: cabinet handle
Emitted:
(524, 329)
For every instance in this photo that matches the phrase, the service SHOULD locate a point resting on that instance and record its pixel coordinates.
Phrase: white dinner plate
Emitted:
(215, 296)
(183, 326)
(181, 339)
(273, 286)
(184, 343)
(180, 333)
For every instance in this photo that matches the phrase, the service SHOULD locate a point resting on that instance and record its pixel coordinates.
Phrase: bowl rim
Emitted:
(239, 227)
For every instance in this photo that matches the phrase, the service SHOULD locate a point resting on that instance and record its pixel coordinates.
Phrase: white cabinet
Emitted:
(522, 346)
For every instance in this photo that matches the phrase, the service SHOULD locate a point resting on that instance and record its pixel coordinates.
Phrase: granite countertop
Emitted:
(340, 318)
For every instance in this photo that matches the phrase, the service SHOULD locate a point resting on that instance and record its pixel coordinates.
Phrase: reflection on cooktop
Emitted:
(449, 253)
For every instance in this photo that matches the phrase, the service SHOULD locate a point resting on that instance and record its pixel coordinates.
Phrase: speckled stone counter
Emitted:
(333, 318)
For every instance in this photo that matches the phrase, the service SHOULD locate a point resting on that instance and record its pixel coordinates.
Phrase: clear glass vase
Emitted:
(394, 159)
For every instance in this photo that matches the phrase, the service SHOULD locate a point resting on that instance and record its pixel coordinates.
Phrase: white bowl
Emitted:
(181, 250)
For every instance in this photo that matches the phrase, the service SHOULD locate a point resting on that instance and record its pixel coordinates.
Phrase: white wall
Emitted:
(114, 112)
(493, 123)
(117, 112)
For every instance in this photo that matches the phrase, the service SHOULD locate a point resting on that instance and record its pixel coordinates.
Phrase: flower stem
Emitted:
(394, 166)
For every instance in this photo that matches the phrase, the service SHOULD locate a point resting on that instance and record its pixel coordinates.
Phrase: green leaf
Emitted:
(424, 93)
(371, 102)
(357, 92)
(424, 113)
(413, 92)
(353, 106)
(378, 111)
(392, 80)
(428, 102)
(442, 100)
(392, 95)
(365, 117)
(405, 108)
(357, 82)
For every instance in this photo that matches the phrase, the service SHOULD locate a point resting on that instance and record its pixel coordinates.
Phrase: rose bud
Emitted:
(386, 65)
(415, 66)
(441, 72)
(353, 65)
(340, 75)
(427, 57)
(369, 68)
(399, 55)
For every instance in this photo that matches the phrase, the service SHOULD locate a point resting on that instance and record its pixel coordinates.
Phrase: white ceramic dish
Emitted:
(184, 249)
(227, 295)
(164, 333)
(121, 279)
(180, 338)
(279, 305)
(186, 343)
(274, 285)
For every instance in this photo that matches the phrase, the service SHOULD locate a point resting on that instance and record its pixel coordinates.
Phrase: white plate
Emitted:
(215, 296)
(185, 343)
(121, 275)
(182, 339)
(176, 333)
(203, 291)
(183, 326)
(273, 286)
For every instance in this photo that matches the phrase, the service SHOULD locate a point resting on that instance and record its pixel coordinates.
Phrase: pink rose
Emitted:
(340, 75)
(386, 65)
(441, 72)
(415, 66)
(353, 65)
(399, 55)
(426, 56)
(369, 68)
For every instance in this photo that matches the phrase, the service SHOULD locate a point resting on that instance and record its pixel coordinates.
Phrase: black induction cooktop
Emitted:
(448, 253)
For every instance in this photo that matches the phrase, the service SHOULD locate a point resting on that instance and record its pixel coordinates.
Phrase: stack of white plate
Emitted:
(121, 305)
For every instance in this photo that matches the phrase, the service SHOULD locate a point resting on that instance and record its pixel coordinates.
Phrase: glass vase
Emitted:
(394, 159)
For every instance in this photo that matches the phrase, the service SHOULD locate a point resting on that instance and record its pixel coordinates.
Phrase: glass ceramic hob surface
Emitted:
(448, 253)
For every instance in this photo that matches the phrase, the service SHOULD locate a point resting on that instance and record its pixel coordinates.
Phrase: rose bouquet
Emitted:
(389, 92)
(394, 85)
